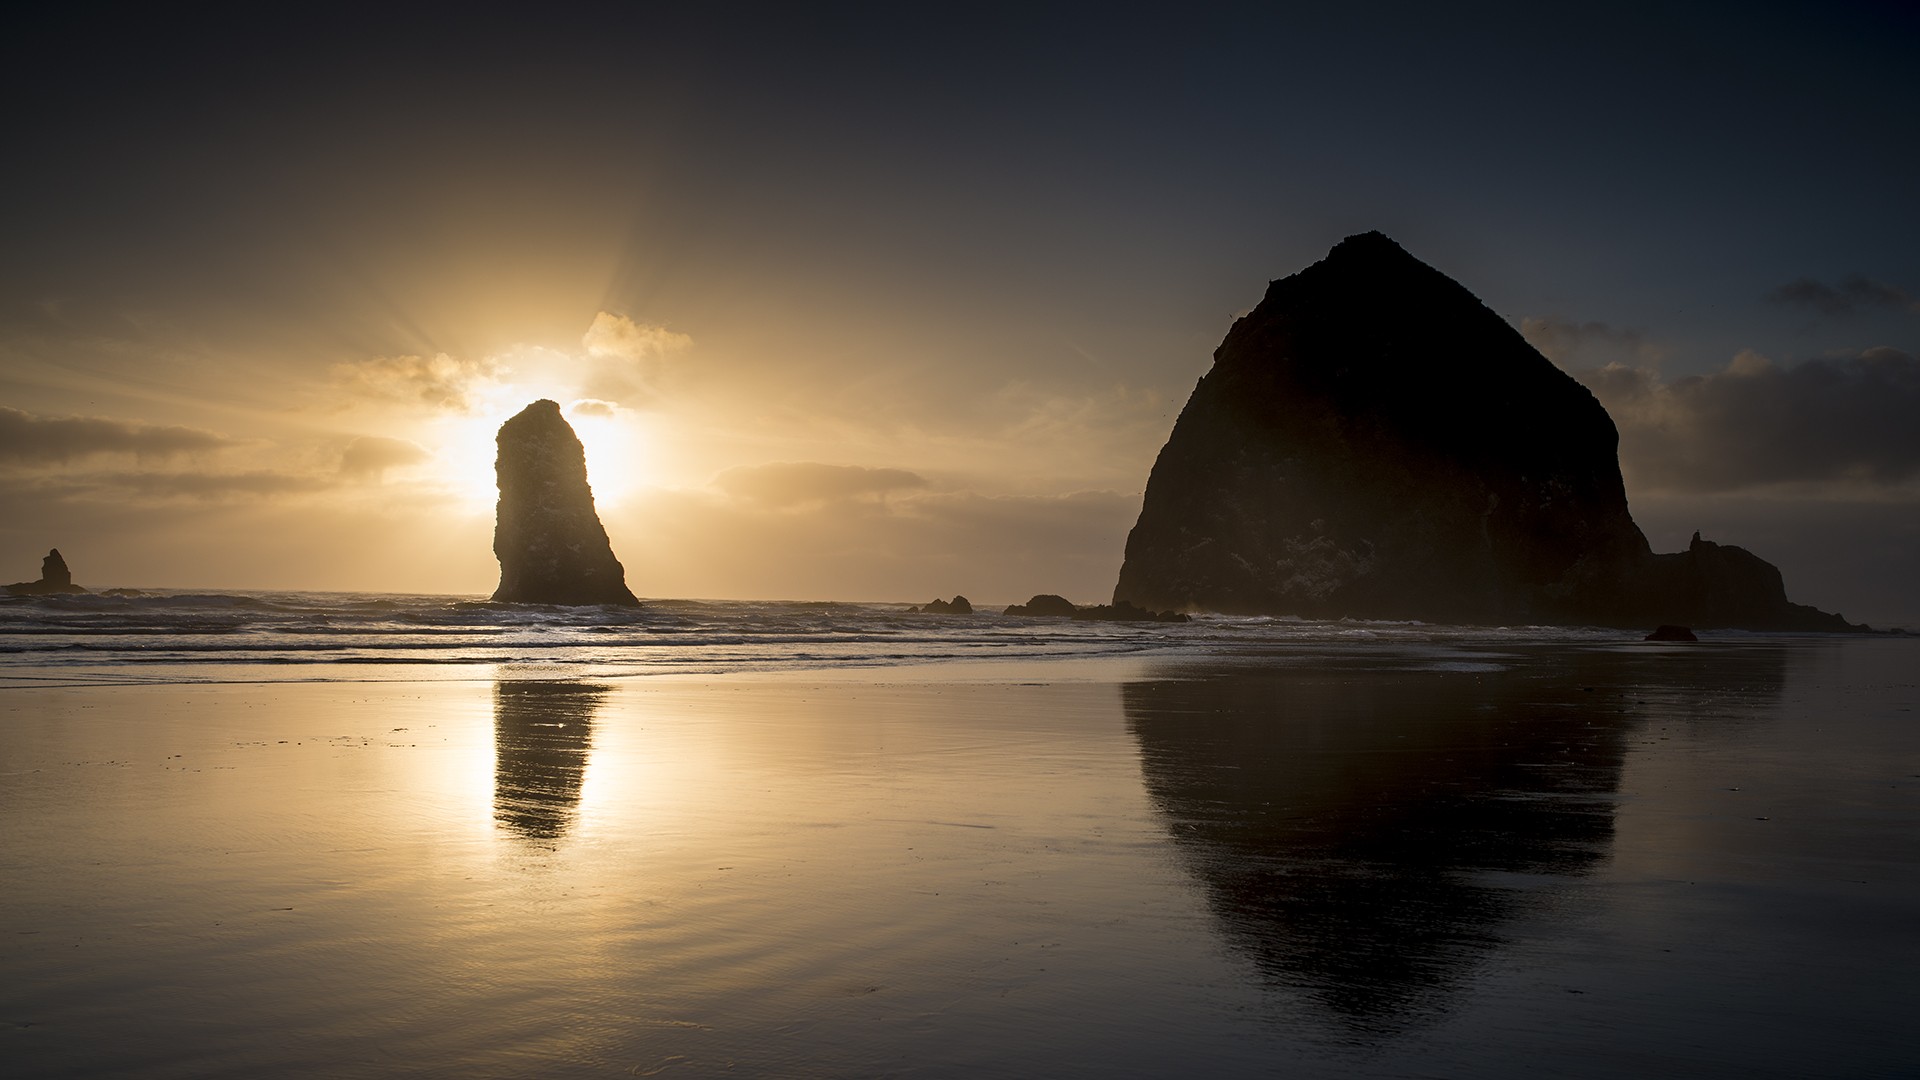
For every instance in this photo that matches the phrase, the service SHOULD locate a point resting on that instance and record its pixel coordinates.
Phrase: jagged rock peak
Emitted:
(54, 578)
(53, 569)
(1372, 244)
(547, 535)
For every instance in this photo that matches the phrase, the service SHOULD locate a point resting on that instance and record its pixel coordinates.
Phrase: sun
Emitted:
(612, 437)
(615, 449)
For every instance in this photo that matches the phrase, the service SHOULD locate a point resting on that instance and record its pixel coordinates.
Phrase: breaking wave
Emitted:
(183, 636)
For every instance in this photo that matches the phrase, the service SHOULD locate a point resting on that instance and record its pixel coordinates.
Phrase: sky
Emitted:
(884, 302)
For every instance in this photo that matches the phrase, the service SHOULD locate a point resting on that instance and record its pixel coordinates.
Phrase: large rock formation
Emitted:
(54, 578)
(1373, 442)
(550, 543)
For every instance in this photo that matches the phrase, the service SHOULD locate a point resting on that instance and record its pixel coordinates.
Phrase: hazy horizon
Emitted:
(876, 306)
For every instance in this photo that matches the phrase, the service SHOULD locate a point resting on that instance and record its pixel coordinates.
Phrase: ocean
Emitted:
(169, 635)
(343, 835)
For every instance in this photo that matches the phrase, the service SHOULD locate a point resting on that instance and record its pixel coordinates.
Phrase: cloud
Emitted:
(797, 483)
(1029, 528)
(1591, 345)
(148, 488)
(42, 440)
(1845, 419)
(441, 381)
(593, 407)
(909, 547)
(626, 357)
(370, 456)
(618, 337)
(1855, 293)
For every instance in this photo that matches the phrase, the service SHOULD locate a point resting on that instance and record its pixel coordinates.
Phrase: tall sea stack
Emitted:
(1374, 442)
(550, 543)
(54, 578)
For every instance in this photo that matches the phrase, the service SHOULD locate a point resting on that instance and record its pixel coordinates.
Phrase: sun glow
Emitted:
(470, 400)
(616, 454)
(615, 445)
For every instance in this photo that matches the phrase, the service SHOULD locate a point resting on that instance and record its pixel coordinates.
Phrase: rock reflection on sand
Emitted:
(542, 736)
(1364, 831)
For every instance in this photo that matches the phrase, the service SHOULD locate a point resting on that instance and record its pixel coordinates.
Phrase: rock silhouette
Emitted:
(1046, 604)
(54, 578)
(542, 736)
(959, 605)
(1374, 442)
(550, 543)
(1043, 604)
(1122, 611)
(1354, 825)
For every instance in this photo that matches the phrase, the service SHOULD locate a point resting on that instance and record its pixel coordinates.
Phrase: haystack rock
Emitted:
(550, 543)
(54, 578)
(1374, 442)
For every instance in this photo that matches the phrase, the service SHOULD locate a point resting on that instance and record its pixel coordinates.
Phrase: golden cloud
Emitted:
(441, 381)
(626, 357)
(370, 456)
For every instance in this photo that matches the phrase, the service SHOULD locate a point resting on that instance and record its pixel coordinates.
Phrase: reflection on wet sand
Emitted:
(542, 734)
(1364, 831)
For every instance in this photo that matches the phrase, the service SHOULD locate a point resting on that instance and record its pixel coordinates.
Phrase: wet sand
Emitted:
(1565, 861)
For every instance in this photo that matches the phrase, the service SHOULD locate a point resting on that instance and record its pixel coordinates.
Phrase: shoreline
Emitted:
(1099, 666)
(1364, 858)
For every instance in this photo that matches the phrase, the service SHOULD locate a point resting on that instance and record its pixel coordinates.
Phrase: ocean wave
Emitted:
(156, 627)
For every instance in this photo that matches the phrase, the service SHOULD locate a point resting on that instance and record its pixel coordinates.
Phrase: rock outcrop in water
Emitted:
(54, 578)
(959, 605)
(1043, 604)
(1122, 611)
(1049, 604)
(550, 543)
(1373, 442)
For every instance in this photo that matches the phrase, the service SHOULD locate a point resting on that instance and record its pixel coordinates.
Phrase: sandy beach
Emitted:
(1578, 860)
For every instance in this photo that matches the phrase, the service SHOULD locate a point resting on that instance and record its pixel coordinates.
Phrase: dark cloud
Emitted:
(1847, 419)
(130, 489)
(1855, 293)
(246, 531)
(202, 486)
(371, 455)
(27, 438)
(796, 483)
(1586, 344)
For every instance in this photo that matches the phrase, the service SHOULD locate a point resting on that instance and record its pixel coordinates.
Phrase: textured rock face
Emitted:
(550, 543)
(1373, 442)
(54, 578)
